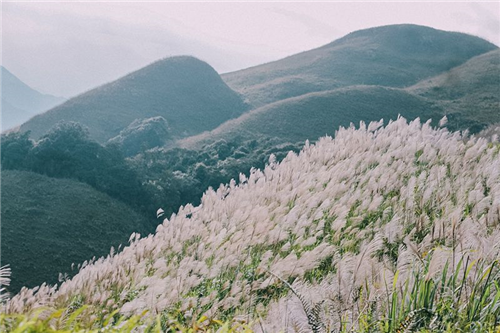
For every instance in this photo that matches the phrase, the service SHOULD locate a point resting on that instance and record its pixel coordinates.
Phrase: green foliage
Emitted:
(84, 321)
(452, 299)
(67, 152)
(15, 148)
(446, 303)
(142, 135)
(175, 177)
(49, 223)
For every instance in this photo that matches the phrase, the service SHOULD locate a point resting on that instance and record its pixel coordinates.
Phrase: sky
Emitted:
(66, 48)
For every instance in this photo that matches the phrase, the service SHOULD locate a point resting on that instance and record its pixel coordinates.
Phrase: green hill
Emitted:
(470, 93)
(20, 102)
(187, 92)
(395, 56)
(49, 223)
(317, 114)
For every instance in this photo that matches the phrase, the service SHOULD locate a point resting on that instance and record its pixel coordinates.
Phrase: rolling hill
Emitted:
(21, 102)
(49, 223)
(469, 93)
(187, 92)
(393, 56)
(377, 218)
(313, 115)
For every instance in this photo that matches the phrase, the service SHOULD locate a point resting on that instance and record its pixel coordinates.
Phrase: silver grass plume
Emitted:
(5, 273)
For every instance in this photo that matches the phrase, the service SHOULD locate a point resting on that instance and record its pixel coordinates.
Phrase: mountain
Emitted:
(187, 92)
(393, 56)
(21, 102)
(49, 223)
(12, 116)
(470, 93)
(313, 115)
(352, 227)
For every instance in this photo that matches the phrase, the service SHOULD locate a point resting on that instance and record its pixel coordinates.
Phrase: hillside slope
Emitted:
(313, 115)
(187, 92)
(48, 224)
(394, 56)
(469, 93)
(344, 214)
(21, 102)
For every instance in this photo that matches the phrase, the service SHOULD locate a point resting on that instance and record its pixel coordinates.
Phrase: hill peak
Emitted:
(184, 90)
(410, 33)
(182, 62)
(20, 101)
(392, 56)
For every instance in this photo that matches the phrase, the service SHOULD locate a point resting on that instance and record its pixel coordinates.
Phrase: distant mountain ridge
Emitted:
(367, 75)
(394, 56)
(193, 99)
(186, 91)
(21, 102)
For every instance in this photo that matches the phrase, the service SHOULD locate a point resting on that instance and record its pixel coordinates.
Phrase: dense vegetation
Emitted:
(142, 135)
(66, 151)
(441, 304)
(185, 91)
(98, 205)
(380, 228)
(180, 176)
(156, 178)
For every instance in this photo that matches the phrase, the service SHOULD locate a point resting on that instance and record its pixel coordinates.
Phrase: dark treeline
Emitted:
(158, 177)
(177, 176)
(67, 152)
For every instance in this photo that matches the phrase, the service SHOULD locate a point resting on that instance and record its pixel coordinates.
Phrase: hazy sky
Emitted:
(65, 48)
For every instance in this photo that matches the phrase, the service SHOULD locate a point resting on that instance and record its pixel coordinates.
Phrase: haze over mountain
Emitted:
(187, 92)
(393, 56)
(20, 102)
(192, 98)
